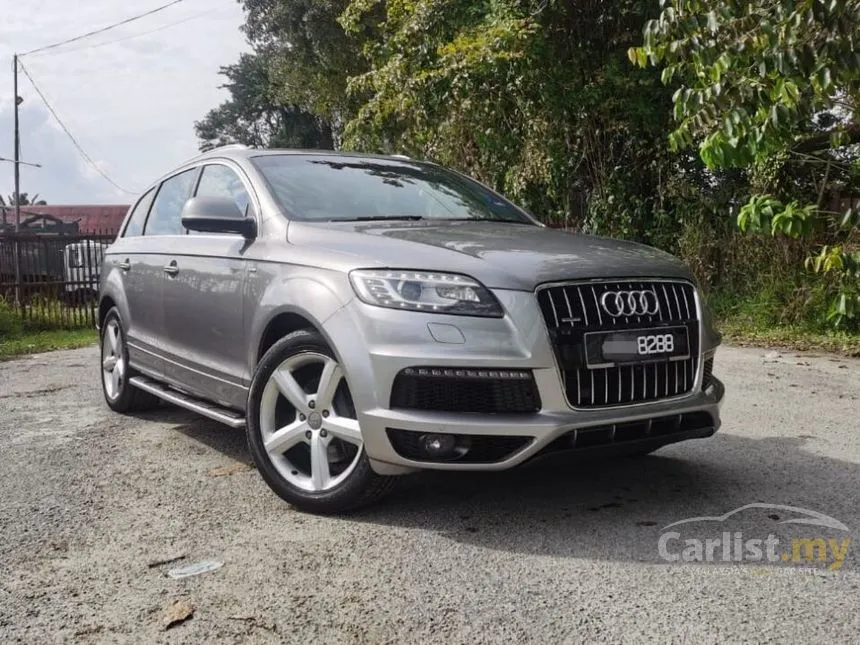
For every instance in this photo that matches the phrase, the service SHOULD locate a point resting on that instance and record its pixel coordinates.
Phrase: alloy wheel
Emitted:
(113, 362)
(308, 422)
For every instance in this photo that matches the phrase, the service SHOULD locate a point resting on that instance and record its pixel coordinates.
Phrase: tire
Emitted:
(119, 395)
(308, 447)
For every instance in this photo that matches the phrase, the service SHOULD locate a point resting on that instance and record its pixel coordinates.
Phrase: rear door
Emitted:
(146, 272)
(203, 308)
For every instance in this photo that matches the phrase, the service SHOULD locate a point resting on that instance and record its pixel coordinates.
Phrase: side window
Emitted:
(138, 215)
(221, 181)
(164, 219)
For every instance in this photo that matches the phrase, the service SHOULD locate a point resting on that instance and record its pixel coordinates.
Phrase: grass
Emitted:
(760, 322)
(32, 342)
(738, 331)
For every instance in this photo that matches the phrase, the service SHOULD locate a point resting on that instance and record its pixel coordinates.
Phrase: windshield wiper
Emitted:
(381, 218)
(482, 219)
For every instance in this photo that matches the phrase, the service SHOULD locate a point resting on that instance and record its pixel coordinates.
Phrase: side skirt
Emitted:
(223, 415)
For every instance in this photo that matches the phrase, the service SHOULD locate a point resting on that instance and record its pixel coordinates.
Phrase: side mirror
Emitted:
(217, 215)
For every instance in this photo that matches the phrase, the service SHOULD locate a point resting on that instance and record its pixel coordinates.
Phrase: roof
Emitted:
(245, 152)
(91, 218)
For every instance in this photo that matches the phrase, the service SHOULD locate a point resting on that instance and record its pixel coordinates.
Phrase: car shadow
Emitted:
(617, 508)
(607, 509)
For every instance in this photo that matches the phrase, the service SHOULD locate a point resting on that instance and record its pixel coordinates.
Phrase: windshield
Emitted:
(341, 188)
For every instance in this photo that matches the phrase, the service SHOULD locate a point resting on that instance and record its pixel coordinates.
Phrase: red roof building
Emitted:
(90, 219)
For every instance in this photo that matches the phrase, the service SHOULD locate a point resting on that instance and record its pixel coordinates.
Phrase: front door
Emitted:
(203, 309)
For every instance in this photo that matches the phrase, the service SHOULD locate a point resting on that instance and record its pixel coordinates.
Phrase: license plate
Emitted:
(609, 348)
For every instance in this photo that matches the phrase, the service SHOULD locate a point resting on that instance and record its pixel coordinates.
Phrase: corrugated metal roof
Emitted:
(91, 219)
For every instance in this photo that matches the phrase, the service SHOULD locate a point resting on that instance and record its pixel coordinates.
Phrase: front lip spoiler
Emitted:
(622, 448)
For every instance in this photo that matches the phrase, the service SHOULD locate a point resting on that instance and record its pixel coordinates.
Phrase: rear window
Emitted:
(138, 215)
(340, 188)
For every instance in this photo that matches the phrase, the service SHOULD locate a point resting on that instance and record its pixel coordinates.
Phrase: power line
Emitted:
(83, 152)
(103, 29)
(132, 36)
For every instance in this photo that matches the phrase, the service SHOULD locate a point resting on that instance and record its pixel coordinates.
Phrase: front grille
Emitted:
(572, 310)
(486, 391)
(477, 449)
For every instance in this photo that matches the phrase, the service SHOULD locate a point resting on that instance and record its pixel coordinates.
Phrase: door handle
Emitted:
(171, 269)
(125, 266)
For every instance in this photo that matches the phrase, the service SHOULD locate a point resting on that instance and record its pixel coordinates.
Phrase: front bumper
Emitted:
(375, 344)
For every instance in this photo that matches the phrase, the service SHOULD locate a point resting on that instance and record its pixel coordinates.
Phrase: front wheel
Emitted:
(303, 432)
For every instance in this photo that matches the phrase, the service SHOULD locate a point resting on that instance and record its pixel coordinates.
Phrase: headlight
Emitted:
(444, 293)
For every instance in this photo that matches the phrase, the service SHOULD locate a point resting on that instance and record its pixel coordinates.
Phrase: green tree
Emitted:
(309, 55)
(533, 97)
(25, 200)
(252, 116)
(772, 87)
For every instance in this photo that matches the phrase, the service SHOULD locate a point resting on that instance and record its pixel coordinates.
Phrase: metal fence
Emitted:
(52, 280)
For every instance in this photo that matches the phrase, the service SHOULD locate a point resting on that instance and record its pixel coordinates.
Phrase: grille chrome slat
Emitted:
(655, 380)
(567, 302)
(584, 308)
(597, 306)
(686, 303)
(677, 302)
(668, 304)
(554, 310)
(622, 384)
(592, 386)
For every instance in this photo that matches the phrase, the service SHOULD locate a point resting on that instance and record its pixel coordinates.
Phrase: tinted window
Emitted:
(165, 217)
(138, 215)
(332, 187)
(221, 181)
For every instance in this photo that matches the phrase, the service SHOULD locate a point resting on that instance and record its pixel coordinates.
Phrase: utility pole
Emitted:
(17, 156)
(17, 164)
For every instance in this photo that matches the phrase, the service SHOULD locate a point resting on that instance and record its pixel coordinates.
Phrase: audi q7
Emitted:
(363, 317)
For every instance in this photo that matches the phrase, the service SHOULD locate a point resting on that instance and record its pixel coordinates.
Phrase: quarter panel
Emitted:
(141, 289)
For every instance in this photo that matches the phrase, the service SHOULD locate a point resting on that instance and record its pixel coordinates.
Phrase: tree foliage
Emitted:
(25, 200)
(533, 97)
(733, 107)
(253, 117)
(773, 87)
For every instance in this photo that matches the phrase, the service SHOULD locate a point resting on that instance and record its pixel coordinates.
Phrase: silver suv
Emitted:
(364, 317)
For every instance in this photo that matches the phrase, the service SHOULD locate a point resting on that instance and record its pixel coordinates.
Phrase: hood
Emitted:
(499, 255)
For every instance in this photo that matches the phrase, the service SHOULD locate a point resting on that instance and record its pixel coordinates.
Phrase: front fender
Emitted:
(277, 290)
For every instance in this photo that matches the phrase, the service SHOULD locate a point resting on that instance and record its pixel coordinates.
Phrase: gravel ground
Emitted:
(559, 551)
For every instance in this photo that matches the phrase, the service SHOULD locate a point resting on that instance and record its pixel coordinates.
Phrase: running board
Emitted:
(210, 410)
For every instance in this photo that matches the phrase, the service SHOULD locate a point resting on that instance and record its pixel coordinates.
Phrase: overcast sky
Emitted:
(131, 104)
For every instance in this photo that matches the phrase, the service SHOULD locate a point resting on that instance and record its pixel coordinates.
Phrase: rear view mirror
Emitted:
(217, 215)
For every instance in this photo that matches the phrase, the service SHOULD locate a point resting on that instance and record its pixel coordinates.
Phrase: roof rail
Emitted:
(229, 146)
(398, 156)
(234, 146)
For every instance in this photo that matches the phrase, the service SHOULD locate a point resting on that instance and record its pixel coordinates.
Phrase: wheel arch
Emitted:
(303, 303)
(280, 325)
(105, 305)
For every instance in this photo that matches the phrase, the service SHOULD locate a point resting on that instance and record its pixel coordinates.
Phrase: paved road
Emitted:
(558, 552)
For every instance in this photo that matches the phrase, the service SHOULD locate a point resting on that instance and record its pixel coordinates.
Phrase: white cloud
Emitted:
(131, 104)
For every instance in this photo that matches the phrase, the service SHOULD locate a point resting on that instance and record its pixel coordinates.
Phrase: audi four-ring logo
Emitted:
(630, 303)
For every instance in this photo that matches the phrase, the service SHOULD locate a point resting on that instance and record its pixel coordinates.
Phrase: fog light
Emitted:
(438, 445)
